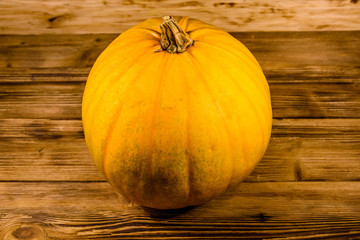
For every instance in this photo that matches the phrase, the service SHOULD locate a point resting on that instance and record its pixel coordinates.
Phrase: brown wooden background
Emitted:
(307, 186)
(115, 16)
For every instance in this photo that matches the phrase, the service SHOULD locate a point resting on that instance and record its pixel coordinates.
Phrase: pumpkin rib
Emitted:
(95, 102)
(107, 139)
(99, 63)
(90, 125)
(194, 61)
(104, 83)
(257, 76)
(261, 120)
(243, 145)
(243, 49)
(104, 56)
(230, 143)
(266, 106)
(110, 81)
(264, 92)
(95, 88)
(188, 155)
(250, 100)
(152, 24)
(154, 111)
(117, 115)
(183, 22)
(251, 77)
(261, 123)
(146, 30)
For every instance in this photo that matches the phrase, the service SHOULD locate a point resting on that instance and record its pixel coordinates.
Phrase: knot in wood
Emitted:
(28, 232)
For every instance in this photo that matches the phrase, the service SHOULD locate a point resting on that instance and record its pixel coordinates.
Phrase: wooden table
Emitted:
(306, 186)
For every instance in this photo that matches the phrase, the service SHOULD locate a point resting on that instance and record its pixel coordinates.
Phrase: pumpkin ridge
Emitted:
(187, 141)
(150, 31)
(113, 47)
(250, 101)
(95, 105)
(230, 142)
(243, 49)
(154, 111)
(107, 140)
(90, 124)
(259, 117)
(93, 74)
(153, 118)
(183, 22)
(117, 116)
(194, 61)
(263, 90)
(260, 120)
(261, 123)
(90, 104)
(251, 77)
(95, 88)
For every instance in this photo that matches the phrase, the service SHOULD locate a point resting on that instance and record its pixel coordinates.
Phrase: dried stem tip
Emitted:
(173, 38)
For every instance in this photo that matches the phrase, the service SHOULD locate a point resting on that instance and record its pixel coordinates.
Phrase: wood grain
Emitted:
(299, 150)
(62, 100)
(310, 74)
(280, 51)
(111, 16)
(252, 210)
(306, 186)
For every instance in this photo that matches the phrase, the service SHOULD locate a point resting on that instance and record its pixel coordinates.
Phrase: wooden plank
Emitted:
(110, 16)
(302, 89)
(31, 98)
(278, 50)
(50, 51)
(315, 100)
(299, 150)
(274, 50)
(252, 211)
(306, 186)
(41, 100)
(40, 75)
(321, 74)
(310, 74)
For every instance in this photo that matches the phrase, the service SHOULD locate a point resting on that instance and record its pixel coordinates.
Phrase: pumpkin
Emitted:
(175, 111)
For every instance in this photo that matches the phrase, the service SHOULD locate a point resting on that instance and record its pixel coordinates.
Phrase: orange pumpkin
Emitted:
(175, 111)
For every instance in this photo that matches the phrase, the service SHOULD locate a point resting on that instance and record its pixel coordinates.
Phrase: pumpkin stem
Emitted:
(173, 38)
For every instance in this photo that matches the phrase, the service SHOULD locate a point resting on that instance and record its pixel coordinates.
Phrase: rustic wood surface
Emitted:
(307, 186)
(114, 16)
